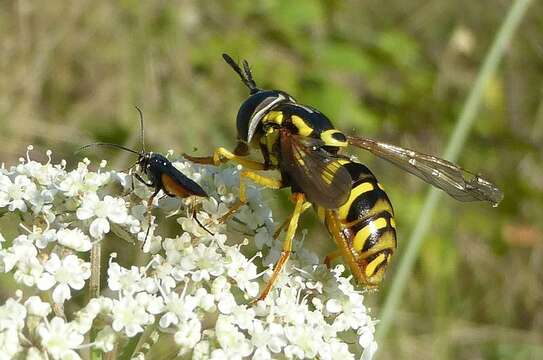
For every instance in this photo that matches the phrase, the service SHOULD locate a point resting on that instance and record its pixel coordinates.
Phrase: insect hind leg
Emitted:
(287, 244)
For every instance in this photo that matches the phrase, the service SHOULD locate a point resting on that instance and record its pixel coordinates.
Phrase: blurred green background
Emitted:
(399, 71)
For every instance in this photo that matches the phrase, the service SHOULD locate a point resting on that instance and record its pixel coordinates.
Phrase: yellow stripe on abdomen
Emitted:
(372, 265)
(363, 234)
(343, 211)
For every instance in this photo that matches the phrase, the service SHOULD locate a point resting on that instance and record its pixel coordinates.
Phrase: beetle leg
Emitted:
(299, 199)
(149, 205)
(140, 179)
(194, 212)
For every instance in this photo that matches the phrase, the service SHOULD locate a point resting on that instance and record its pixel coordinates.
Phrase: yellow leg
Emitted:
(287, 244)
(222, 155)
(256, 178)
(306, 206)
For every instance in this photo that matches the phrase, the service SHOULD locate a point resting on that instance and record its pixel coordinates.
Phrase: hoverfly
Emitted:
(161, 174)
(304, 146)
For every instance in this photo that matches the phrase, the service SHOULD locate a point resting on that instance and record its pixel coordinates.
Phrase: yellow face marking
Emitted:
(275, 117)
(370, 268)
(329, 140)
(300, 124)
(363, 234)
(357, 191)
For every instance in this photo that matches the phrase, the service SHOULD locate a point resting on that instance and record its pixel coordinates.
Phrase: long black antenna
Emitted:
(107, 144)
(245, 74)
(141, 129)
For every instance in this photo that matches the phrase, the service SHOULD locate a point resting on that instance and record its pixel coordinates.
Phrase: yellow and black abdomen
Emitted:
(363, 228)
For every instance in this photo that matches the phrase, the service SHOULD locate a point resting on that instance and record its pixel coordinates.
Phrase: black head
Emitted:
(258, 104)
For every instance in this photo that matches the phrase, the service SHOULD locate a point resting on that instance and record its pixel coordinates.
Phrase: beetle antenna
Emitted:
(142, 135)
(106, 144)
(244, 74)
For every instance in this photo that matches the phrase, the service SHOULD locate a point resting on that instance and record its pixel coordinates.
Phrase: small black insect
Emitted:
(161, 174)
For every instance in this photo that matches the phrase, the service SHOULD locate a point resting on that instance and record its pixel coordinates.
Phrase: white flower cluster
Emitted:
(194, 291)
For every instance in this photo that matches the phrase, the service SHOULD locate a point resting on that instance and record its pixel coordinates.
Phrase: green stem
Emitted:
(456, 142)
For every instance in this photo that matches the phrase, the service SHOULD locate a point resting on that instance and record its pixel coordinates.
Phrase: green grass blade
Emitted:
(457, 140)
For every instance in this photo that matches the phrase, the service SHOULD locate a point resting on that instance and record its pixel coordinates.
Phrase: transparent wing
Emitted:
(455, 181)
(317, 173)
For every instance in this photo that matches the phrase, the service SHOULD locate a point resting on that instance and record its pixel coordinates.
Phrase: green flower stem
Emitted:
(457, 140)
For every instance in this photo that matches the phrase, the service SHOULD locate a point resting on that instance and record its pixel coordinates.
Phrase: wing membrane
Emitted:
(317, 173)
(455, 181)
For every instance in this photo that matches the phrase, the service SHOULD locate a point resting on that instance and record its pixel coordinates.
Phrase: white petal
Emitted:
(61, 293)
(99, 227)
(84, 213)
(53, 264)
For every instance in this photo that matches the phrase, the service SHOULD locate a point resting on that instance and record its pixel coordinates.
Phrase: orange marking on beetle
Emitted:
(172, 187)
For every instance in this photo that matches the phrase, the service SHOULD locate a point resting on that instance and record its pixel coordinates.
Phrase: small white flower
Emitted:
(60, 339)
(305, 341)
(35, 306)
(226, 303)
(179, 308)
(232, 341)
(74, 239)
(110, 208)
(22, 248)
(129, 281)
(265, 339)
(106, 339)
(29, 271)
(188, 333)
(129, 315)
(203, 262)
(15, 193)
(41, 201)
(42, 238)
(10, 345)
(81, 181)
(12, 315)
(242, 270)
(69, 272)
